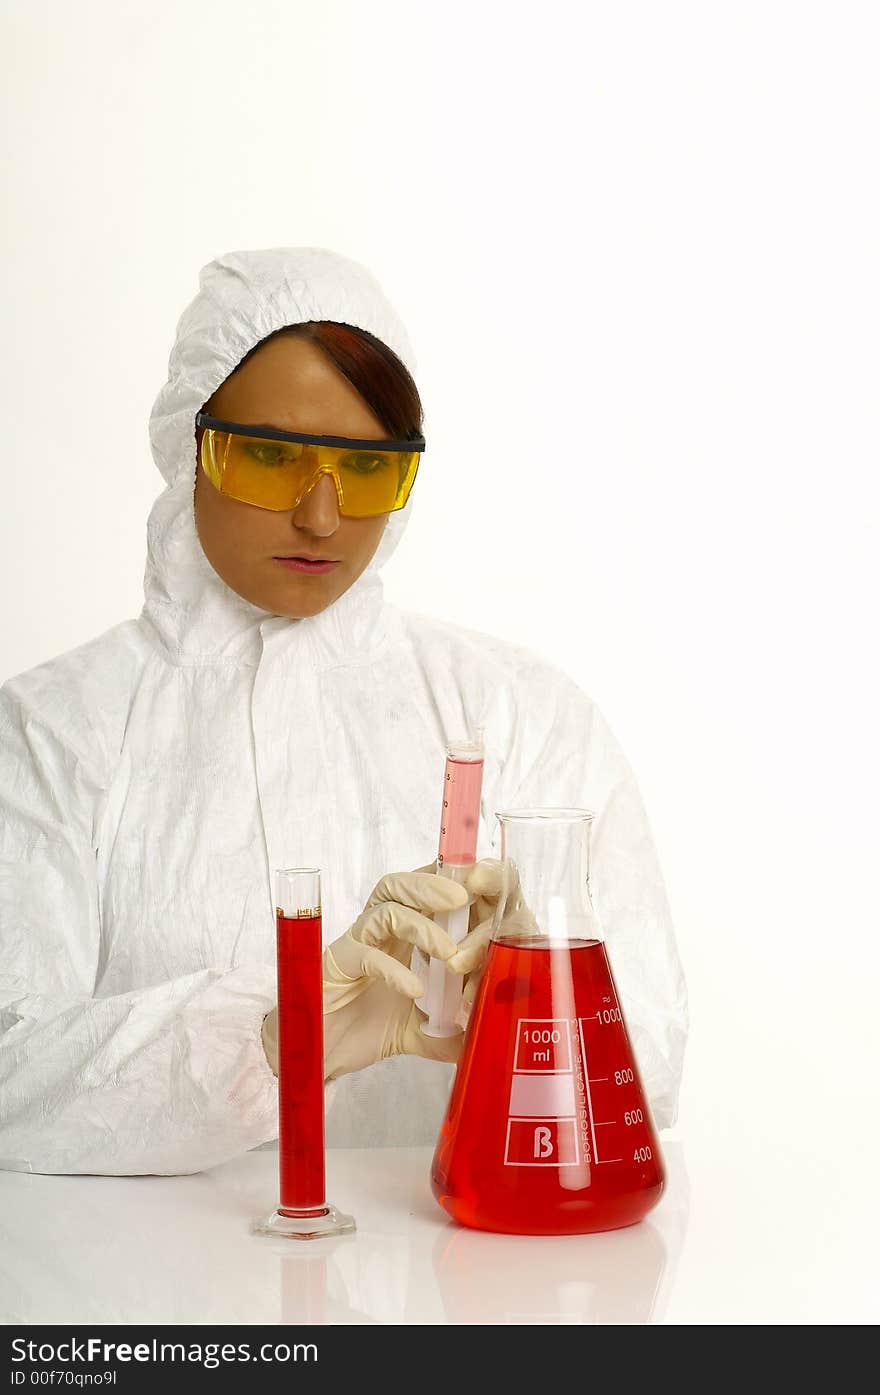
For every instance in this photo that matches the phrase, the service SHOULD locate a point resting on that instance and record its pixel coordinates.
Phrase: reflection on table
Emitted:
(180, 1250)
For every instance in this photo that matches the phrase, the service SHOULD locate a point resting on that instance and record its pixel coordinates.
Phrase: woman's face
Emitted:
(292, 385)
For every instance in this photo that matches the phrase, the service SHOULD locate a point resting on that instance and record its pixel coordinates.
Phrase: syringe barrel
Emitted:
(457, 853)
(460, 815)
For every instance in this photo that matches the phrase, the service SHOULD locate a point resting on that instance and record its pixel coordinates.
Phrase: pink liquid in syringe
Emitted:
(459, 822)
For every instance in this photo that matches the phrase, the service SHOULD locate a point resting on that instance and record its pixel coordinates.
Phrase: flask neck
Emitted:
(546, 860)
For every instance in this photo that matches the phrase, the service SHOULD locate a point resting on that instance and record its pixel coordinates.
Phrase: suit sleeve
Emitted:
(169, 1079)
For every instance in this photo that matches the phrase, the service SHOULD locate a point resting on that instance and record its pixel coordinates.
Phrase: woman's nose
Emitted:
(318, 511)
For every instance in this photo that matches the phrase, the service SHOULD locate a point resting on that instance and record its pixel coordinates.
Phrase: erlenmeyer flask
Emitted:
(547, 1130)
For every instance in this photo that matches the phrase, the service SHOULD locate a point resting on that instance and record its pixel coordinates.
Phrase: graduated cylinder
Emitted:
(300, 1042)
(303, 1212)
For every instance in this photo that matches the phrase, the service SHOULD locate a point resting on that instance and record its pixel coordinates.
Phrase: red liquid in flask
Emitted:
(300, 1065)
(547, 1131)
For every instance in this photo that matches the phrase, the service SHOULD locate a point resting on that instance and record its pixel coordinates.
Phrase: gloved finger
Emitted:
(492, 883)
(482, 909)
(391, 921)
(342, 960)
(423, 891)
(269, 1035)
(381, 966)
(416, 1043)
(471, 984)
(520, 921)
(485, 878)
(471, 952)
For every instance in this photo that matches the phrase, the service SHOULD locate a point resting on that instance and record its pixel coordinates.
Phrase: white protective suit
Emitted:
(152, 778)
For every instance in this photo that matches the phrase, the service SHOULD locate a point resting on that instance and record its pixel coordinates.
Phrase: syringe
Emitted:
(457, 853)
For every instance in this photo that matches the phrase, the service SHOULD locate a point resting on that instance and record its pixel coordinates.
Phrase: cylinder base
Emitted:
(307, 1225)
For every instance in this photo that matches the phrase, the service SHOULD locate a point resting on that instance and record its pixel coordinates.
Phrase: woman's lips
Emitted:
(312, 565)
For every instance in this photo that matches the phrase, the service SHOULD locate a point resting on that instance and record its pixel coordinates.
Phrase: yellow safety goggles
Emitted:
(276, 469)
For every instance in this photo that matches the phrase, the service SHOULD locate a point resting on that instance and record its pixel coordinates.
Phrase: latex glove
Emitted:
(369, 988)
(486, 883)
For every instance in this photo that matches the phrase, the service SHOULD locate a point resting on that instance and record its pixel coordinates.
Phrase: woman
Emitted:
(268, 708)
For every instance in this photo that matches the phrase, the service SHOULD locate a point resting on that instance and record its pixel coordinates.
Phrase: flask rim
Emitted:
(546, 815)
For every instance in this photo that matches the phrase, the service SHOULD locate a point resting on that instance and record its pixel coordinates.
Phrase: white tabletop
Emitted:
(179, 1250)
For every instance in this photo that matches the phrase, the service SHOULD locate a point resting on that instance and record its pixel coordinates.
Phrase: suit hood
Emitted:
(243, 297)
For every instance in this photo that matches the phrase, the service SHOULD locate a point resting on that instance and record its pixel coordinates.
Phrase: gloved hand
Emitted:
(369, 989)
(484, 882)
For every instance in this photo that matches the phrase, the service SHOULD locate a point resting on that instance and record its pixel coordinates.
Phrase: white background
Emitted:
(636, 248)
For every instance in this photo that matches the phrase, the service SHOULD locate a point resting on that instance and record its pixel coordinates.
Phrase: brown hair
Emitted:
(384, 383)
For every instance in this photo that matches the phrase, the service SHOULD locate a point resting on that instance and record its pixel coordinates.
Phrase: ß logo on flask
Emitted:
(541, 1111)
(543, 1145)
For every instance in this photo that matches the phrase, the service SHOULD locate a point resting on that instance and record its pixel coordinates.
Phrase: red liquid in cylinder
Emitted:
(300, 1065)
(547, 1131)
